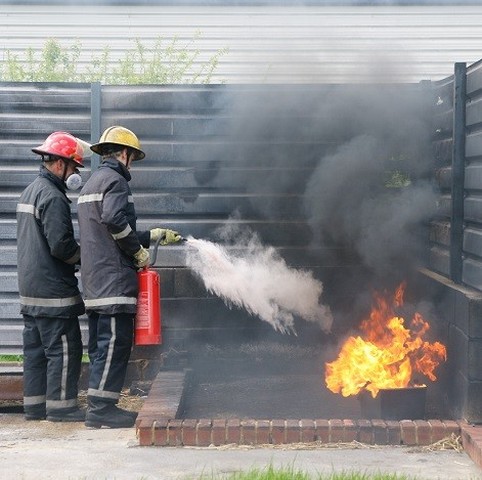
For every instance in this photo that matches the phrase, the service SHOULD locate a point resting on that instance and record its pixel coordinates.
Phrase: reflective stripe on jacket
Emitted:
(107, 222)
(47, 250)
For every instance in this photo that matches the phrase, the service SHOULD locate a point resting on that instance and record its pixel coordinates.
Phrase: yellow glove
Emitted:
(167, 236)
(142, 257)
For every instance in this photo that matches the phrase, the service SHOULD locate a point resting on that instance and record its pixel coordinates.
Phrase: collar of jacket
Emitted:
(45, 173)
(117, 166)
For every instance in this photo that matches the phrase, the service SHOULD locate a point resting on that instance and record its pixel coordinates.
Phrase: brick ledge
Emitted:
(165, 431)
(157, 425)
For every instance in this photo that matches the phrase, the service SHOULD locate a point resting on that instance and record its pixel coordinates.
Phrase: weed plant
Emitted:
(163, 63)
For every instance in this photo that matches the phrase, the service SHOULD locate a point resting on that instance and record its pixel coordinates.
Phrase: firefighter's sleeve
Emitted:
(114, 217)
(56, 220)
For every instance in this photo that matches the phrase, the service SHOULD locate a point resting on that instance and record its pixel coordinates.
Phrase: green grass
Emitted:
(290, 473)
(19, 358)
(11, 358)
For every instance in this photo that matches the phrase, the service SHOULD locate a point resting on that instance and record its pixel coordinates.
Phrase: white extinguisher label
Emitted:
(142, 318)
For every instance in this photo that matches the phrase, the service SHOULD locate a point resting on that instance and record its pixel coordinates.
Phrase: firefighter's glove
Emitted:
(141, 258)
(167, 236)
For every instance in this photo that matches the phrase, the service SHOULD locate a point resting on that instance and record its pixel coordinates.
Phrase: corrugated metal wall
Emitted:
(215, 150)
(199, 161)
(267, 44)
(456, 235)
(27, 114)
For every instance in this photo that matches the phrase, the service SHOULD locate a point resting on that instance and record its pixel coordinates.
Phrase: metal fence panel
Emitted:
(193, 179)
(204, 163)
(467, 186)
(28, 113)
(472, 254)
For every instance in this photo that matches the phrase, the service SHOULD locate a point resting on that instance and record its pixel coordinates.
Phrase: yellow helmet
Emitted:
(118, 136)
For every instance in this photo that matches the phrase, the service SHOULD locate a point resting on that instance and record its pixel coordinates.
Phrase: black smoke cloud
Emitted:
(347, 202)
(353, 161)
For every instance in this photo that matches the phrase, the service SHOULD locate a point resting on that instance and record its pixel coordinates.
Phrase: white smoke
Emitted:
(257, 279)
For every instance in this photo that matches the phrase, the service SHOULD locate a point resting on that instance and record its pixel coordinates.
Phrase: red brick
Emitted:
(472, 442)
(437, 429)
(219, 431)
(409, 432)
(322, 430)
(278, 432)
(189, 432)
(145, 422)
(307, 430)
(148, 417)
(11, 387)
(337, 430)
(160, 432)
(145, 433)
(174, 433)
(394, 432)
(475, 431)
(203, 432)
(380, 432)
(233, 431)
(262, 432)
(424, 432)
(365, 431)
(293, 431)
(248, 432)
(451, 426)
(350, 431)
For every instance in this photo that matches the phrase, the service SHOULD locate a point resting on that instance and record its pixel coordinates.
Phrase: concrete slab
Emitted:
(105, 454)
(56, 451)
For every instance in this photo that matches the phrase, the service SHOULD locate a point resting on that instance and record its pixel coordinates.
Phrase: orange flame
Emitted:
(387, 354)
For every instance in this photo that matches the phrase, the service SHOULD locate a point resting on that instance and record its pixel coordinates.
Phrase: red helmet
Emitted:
(64, 145)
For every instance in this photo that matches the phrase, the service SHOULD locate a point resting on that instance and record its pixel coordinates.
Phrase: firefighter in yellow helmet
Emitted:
(111, 251)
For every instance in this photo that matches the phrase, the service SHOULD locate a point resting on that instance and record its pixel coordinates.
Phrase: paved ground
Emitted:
(44, 450)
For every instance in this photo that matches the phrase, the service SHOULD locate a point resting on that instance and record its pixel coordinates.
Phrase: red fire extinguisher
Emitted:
(147, 325)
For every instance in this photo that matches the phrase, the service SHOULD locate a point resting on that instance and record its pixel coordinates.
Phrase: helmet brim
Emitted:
(38, 151)
(101, 147)
(83, 153)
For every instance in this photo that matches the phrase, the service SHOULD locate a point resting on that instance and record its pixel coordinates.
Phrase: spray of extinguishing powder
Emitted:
(257, 279)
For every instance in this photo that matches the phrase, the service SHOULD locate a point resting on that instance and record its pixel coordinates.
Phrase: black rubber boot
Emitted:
(35, 413)
(104, 414)
(63, 415)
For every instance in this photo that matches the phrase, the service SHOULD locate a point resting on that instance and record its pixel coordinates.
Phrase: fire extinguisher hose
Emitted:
(154, 255)
(156, 248)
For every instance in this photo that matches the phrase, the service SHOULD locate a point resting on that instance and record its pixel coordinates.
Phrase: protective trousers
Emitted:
(52, 349)
(110, 344)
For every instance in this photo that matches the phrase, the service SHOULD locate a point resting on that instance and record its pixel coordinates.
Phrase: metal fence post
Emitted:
(95, 120)
(458, 173)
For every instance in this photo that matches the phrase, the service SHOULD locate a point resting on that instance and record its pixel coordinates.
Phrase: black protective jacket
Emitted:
(47, 250)
(108, 240)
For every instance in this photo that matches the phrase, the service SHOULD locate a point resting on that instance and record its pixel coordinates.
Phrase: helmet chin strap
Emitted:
(64, 173)
(128, 158)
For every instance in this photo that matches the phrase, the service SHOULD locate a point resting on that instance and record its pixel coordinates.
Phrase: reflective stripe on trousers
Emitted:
(52, 349)
(110, 344)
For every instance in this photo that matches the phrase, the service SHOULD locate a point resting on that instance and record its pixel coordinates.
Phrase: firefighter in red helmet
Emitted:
(112, 250)
(47, 254)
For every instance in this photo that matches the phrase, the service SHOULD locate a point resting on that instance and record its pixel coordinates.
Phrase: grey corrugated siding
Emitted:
(201, 166)
(472, 236)
(268, 44)
(472, 204)
(194, 177)
(27, 115)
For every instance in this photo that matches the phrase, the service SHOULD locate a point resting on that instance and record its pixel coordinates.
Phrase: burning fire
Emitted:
(387, 354)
